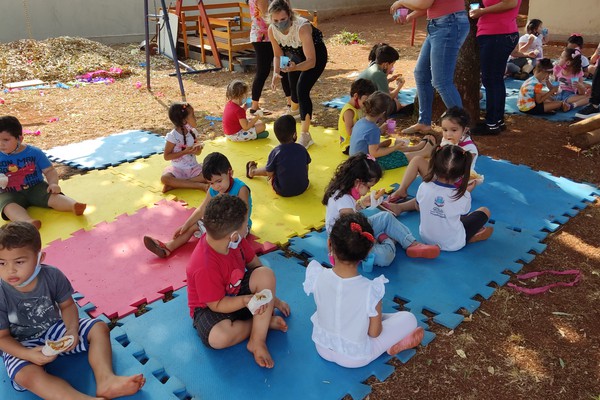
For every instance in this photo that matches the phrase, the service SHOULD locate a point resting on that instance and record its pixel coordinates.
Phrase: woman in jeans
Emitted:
(447, 28)
(497, 36)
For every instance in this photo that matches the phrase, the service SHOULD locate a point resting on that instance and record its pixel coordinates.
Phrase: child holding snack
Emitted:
(181, 149)
(352, 110)
(533, 99)
(575, 41)
(531, 46)
(349, 328)
(22, 172)
(287, 166)
(573, 92)
(455, 130)
(353, 179)
(236, 126)
(36, 307)
(366, 137)
(218, 173)
(446, 220)
(222, 275)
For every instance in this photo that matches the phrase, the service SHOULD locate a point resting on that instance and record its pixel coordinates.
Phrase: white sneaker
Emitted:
(306, 140)
(294, 113)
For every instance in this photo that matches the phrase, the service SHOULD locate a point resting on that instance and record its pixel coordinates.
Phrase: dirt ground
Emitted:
(514, 345)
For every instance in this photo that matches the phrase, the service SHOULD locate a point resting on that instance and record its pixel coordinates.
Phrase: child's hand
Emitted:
(180, 231)
(197, 148)
(75, 335)
(53, 188)
(36, 356)
(400, 81)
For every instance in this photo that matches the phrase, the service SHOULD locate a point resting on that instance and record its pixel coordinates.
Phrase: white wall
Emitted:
(121, 21)
(563, 18)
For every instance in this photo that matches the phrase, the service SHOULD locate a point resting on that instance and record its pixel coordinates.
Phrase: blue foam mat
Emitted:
(108, 151)
(76, 370)
(406, 96)
(167, 337)
(448, 283)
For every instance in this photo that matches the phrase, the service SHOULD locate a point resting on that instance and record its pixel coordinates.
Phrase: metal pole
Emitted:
(147, 46)
(177, 71)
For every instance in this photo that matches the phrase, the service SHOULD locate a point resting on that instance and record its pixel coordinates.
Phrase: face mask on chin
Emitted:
(233, 244)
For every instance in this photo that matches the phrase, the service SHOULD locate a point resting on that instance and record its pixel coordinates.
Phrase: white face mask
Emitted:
(233, 244)
(36, 271)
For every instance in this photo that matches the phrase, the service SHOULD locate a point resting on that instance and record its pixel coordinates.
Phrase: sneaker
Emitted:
(420, 250)
(502, 125)
(486, 129)
(306, 140)
(294, 113)
(588, 111)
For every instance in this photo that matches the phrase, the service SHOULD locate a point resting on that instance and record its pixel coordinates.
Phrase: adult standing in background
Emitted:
(497, 36)
(259, 36)
(447, 29)
(296, 38)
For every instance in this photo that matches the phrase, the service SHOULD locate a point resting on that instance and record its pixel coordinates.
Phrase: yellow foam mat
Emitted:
(107, 196)
(275, 218)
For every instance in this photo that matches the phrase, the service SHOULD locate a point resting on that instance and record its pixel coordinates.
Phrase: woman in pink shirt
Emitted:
(447, 29)
(497, 36)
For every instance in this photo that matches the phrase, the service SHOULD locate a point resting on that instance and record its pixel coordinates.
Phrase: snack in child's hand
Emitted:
(476, 178)
(54, 347)
(260, 299)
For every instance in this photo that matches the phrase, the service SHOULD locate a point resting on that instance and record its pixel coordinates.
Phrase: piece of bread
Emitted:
(379, 193)
(54, 347)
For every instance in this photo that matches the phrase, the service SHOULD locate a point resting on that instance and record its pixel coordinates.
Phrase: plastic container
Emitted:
(474, 6)
(400, 14)
(284, 61)
(391, 125)
(545, 31)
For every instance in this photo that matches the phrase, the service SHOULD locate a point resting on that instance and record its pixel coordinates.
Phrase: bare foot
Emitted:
(79, 208)
(278, 324)
(204, 187)
(417, 128)
(166, 188)
(119, 386)
(261, 354)
(412, 340)
(282, 306)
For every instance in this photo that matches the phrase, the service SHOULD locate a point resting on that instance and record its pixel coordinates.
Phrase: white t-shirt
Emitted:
(332, 212)
(344, 306)
(440, 215)
(189, 160)
(468, 145)
(537, 44)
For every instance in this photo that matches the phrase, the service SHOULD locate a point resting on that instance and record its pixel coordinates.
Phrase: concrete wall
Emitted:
(121, 21)
(563, 18)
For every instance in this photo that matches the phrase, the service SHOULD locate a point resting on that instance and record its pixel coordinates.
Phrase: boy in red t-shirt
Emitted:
(222, 275)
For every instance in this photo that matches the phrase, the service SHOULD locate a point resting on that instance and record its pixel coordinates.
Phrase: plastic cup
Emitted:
(400, 14)
(574, 81)
(391, 125)
(249, 102)
(284, 61)
(545, 31)
(555, 83)
(474, 6)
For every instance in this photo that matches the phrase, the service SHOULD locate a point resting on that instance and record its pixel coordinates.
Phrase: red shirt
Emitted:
(439, 8)
(212, 276)
(231, 118)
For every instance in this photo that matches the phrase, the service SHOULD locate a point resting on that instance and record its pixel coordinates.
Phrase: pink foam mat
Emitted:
(112, 269)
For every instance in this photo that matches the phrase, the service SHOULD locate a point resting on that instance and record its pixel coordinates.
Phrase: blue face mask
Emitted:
(282, 25)
(233, 244)
(37, 270)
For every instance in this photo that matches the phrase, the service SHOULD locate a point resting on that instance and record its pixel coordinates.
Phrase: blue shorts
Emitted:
(563, 95)
(13, 364)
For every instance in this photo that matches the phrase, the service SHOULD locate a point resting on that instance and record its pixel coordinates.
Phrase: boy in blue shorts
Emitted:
(287, 165)
(36, 306)
(218, 172)
(222, 275)
(22, 172)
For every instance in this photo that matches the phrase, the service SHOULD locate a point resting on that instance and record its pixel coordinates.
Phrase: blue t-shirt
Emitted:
(289, 164)
(234, 190)
(29, 315)
(364, 134)
(24, 169)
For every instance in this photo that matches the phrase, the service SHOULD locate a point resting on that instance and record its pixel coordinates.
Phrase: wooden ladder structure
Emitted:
(204, 17)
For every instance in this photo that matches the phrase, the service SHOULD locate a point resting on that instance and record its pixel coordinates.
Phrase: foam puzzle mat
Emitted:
(406, 96)
(110, 150)
(295, 215)
(209, 374)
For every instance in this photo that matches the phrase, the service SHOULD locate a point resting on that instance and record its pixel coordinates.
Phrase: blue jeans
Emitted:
(384, 222)
(437, 62)
(493, 53)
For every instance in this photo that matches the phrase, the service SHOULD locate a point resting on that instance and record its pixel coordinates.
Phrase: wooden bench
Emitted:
(229, 24)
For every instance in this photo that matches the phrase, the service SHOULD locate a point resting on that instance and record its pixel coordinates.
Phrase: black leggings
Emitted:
(264, 60)
(473, 222)
(301, 82)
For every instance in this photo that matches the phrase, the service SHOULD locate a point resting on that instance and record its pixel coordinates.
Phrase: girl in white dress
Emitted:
(349, 328)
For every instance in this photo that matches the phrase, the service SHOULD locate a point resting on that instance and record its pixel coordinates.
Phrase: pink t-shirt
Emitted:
(232, 113)
(498, 23)
(439, 8)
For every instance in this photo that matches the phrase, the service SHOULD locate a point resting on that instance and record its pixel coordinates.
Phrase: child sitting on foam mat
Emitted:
(349, 328)
(218, 173)
(223, 275)
(236, 126)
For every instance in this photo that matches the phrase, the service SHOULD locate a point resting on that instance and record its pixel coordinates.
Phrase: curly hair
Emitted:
(224, 214)
(359, 166)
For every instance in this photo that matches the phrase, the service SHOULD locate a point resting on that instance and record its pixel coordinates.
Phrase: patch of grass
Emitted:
(345, 37)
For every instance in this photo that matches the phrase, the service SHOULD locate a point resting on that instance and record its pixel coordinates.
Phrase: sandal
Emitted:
(249, 166)
(157, 247)
(428, 139)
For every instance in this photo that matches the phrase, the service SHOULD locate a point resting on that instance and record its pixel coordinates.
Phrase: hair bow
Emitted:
(576, 34)
(370, 157)
(354, 227)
